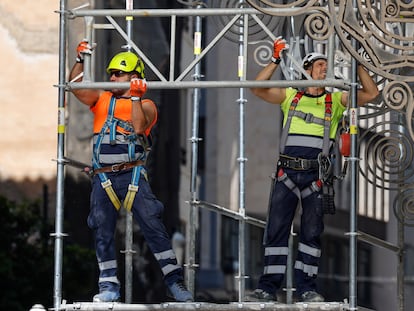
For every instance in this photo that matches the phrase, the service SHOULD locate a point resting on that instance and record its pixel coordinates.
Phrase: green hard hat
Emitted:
(127, 62)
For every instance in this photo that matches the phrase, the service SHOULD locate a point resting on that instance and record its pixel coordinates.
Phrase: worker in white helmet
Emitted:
(310, 122)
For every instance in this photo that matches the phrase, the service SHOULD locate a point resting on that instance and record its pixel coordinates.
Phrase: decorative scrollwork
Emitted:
(256, 32)
(263, 52)
(397, 95)
(296, 7)
(318, 25)
(391, 10)
(403, 206)
(388, 153)
(378, 28)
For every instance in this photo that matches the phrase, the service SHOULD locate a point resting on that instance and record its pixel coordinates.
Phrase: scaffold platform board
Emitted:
(200, 306)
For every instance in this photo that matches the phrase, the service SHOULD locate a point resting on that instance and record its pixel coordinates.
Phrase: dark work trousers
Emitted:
(147, 211)
(283, 206)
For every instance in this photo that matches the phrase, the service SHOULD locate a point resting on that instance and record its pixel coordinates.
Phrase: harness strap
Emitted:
(107, 186)
(314, 187)
(111, 123)
(285, 131)
(132, 188)
(309, 118)
(327, 124)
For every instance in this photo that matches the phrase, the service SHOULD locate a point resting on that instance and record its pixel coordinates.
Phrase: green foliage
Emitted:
(27, 260)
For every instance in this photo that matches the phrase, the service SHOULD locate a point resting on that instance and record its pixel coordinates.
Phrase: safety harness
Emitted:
(323, 163)
(109, 129)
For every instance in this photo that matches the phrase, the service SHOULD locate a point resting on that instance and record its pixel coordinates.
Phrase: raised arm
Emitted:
(87, 96)
(272, 95)
(368, 91)
(143, 112)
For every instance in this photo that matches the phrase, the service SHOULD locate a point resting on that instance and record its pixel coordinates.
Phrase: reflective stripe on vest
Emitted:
(310, 118)
(306, 141)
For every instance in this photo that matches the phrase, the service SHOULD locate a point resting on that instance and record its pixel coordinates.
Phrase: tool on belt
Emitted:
(85, 168)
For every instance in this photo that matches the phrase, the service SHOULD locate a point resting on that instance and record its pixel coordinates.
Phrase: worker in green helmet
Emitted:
(122, 124)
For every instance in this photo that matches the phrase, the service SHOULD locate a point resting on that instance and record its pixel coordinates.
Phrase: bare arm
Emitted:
(87, 96)
(367, 93)
(272, 95)
(143, 114)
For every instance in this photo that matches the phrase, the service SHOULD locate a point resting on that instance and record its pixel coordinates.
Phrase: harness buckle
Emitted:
(308, 118)
(117, 167)
(299, 163)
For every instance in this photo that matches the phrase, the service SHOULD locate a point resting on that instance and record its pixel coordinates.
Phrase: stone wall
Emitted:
(28, 111)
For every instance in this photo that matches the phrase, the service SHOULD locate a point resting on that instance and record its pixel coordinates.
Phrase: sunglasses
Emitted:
(117, 73)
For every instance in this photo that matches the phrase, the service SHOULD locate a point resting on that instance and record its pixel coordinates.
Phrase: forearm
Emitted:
(75, 73)
(265, 74)
(87, 96)
(139, 119)
(369, 90)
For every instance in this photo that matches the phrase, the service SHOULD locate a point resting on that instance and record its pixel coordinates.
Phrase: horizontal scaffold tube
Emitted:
(176, 12)
(212, 84)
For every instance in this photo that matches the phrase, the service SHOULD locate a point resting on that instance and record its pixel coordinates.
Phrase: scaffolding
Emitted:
(239, 19)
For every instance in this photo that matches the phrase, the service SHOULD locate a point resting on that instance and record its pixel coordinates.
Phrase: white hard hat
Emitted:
(310, 58)
(38, 307)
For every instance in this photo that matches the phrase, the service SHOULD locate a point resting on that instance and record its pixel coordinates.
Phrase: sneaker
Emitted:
(261, 295)
(311, 296)
(180, 293)
(106, 296)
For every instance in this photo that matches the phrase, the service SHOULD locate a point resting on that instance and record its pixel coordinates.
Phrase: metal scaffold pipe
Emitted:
(193, 215)
(242, 67)
(57, 288)
(175, 12)
(129, 252)
(214, 84)
(353, 204)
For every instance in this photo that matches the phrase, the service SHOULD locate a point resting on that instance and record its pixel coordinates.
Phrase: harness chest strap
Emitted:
(309, 118)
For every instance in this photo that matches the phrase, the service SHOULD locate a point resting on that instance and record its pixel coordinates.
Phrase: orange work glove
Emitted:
(83, 48)
(138, 88)
(278, 46)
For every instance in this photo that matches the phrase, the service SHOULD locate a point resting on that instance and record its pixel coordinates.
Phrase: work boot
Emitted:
(180, 293)
(106, 296)
(260, 295)
(311, 296)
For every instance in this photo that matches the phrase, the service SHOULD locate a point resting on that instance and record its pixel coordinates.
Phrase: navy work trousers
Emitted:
(147, 211)
(283, 206)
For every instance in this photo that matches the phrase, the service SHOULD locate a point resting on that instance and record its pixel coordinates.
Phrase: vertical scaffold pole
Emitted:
(193, 217)
(58, 234)
(353, 205)
(242, 66)
(129, 252)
